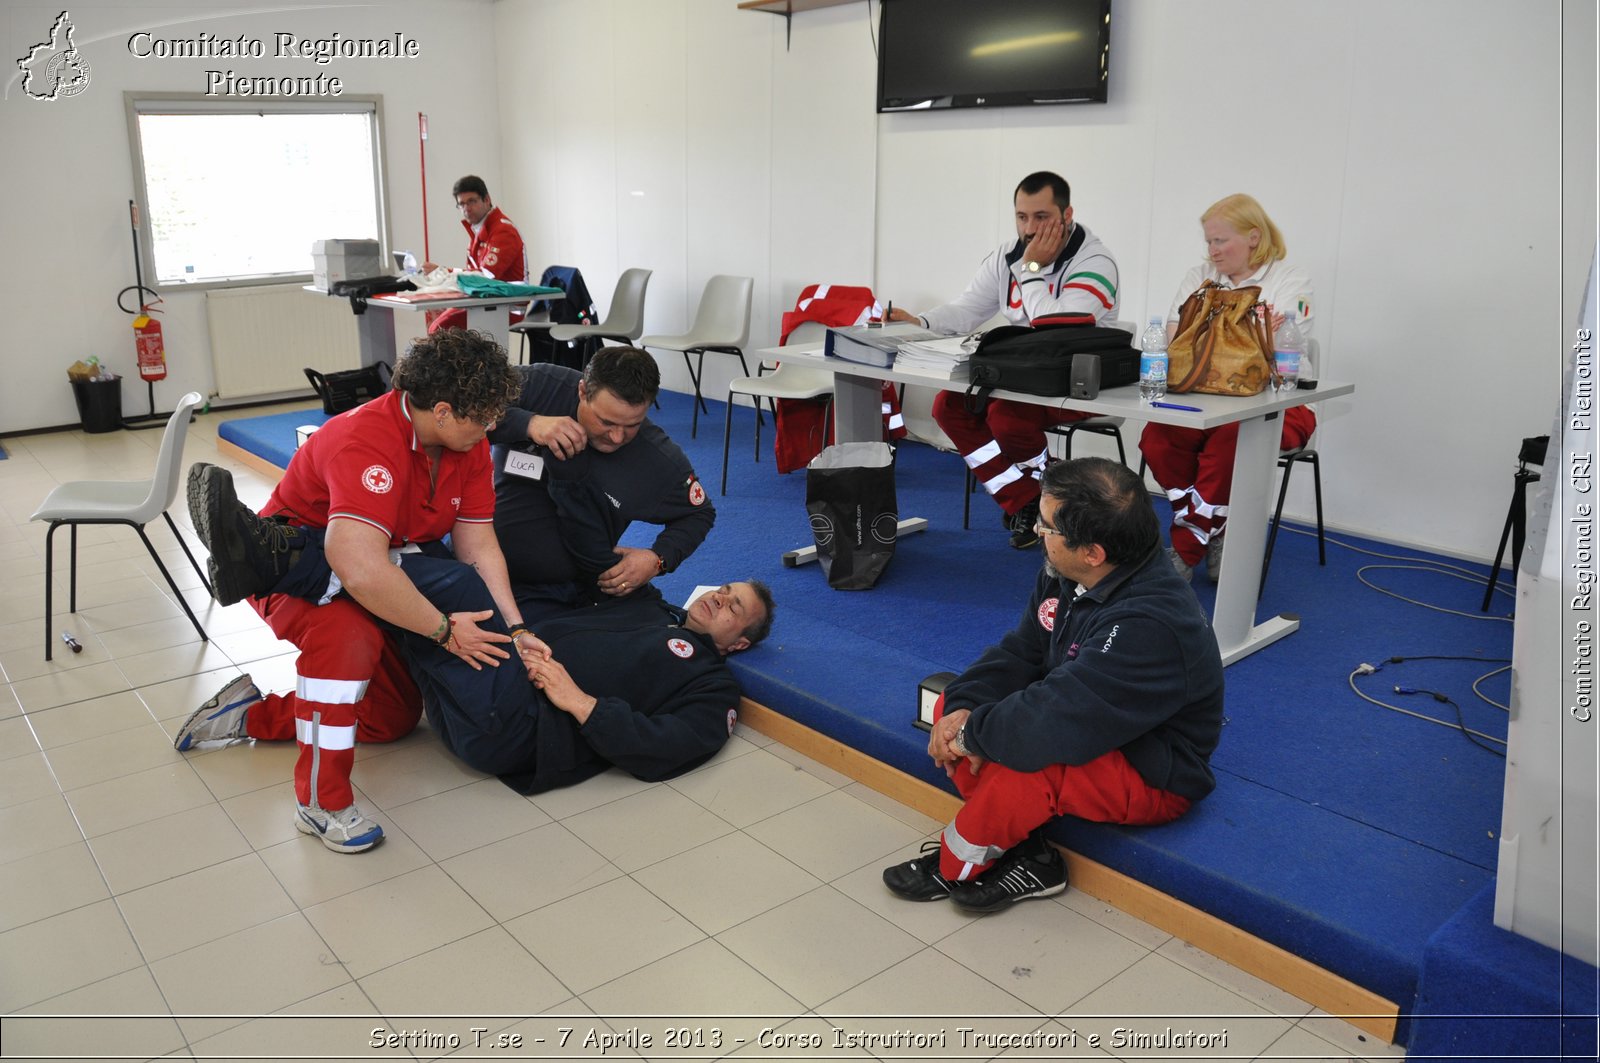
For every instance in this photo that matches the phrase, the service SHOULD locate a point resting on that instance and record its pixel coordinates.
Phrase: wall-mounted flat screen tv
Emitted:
(934, 54)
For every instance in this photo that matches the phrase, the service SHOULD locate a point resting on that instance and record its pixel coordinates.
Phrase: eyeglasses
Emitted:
(1041, 529)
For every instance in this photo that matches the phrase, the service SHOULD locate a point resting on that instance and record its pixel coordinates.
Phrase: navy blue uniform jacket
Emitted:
(1131, 664)
(562, 529)
(669, 699)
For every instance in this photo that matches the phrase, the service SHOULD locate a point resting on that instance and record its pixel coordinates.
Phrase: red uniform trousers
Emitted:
(1195, 467)
(1003, 445)
(1004, 806)
(353, 686)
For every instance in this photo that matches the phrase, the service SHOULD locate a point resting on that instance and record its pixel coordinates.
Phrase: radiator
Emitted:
(262, 338)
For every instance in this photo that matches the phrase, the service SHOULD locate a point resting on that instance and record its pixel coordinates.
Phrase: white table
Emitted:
(490, 315)
(858, 416)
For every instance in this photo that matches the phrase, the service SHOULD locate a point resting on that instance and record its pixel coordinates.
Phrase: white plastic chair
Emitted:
(788, 381)
(134, 503)
(624, 321)
(721, 325)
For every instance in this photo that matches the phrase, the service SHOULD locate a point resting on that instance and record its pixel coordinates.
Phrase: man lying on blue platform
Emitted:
(631, 681)
(575, 462)
(1105, 702)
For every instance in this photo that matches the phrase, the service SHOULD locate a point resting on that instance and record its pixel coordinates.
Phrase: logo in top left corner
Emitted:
(55, 69)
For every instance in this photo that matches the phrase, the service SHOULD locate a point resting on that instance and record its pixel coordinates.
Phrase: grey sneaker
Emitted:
(1179, 565)
(222, 718)
(249, 553)
(344, 831)
(1214, 559)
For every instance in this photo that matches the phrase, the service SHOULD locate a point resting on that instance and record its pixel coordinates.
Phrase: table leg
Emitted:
(493, 320)
(1233, 622)
(376, 330)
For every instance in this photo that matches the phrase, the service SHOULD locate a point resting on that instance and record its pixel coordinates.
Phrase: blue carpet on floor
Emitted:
(1341, 831)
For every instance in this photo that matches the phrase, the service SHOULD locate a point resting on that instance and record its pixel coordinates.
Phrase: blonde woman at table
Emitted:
(1195, 466)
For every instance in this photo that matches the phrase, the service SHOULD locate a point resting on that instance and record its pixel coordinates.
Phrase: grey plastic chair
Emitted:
(787, 381)
(134, 503)
(721, 325)
(624, 321)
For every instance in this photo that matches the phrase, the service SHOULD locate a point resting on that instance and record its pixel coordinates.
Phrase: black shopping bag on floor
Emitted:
(850, 497)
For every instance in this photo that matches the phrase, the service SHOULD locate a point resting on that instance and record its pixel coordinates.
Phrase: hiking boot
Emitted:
(1021, 524)
(249, 554)
(1214, 558)
(1179, 565)
(919, 879)
(1032, 869)
(344, 831)
(221, 719)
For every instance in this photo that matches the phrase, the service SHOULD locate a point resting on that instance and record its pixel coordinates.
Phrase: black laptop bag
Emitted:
(1038, 360)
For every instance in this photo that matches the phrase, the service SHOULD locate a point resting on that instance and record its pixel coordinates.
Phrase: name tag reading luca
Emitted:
(521, 463)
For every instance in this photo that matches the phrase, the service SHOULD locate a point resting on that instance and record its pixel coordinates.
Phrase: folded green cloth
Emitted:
(475, 284)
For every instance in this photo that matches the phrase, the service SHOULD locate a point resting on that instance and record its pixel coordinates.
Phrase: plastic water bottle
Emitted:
(1287, 347)
(1153, 361)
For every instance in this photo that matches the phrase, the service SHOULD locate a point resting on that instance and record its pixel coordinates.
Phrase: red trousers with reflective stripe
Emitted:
(1198, 463)
(340, 644)
(1016, 427)
(1004, 806)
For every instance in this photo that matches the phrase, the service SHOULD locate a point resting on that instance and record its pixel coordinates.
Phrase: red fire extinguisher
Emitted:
(148, 348)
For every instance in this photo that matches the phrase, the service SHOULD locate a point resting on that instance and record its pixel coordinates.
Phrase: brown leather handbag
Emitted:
(1223, 345)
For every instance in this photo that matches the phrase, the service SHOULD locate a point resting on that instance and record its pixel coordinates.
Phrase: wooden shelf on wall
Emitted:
(789, 7)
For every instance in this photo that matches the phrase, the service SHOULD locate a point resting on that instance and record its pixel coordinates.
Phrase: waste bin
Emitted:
(99, 404)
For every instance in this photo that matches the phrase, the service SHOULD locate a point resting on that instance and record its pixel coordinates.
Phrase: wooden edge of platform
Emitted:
(234, 452)
(1337, 996)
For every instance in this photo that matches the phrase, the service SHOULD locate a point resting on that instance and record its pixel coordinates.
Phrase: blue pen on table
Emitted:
(1175, 406)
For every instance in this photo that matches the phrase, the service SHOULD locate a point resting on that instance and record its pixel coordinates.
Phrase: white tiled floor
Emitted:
(141, 882)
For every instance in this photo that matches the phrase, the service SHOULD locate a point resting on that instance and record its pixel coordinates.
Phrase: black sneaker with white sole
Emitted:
(1021, 523)
(919, 879)
(1033, 869)
(249, 553)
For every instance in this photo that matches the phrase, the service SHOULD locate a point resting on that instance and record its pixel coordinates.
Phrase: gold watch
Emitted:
(1032, 267)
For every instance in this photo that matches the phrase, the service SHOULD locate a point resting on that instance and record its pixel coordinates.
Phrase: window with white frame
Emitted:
(238, 191)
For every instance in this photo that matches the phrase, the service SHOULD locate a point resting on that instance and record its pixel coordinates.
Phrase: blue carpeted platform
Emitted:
(1342, 832)
(272, 436)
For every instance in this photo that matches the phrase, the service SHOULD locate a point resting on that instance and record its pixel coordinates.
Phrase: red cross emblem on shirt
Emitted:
(1047, 613)
(377, 479)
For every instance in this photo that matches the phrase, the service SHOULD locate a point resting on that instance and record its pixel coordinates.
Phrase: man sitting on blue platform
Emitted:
(1105, 702)
(576, 461)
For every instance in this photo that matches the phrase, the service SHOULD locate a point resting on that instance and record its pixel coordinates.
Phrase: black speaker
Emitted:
(1085, 376)
(1097, 371)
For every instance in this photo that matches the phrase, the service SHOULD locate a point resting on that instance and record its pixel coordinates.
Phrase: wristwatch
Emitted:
(958, 744)
(1032, 267)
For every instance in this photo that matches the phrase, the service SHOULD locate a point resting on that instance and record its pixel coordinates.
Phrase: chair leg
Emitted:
(758, 424)
(1122, 452)
(1272, 536)
(72, 574)
(1322, 539)
(176, 593)
(197, 569)
(968, 485)
(49, 579)
(727, 433)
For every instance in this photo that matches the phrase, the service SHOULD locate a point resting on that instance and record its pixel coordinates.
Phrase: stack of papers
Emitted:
(874, 345)
(943, 358)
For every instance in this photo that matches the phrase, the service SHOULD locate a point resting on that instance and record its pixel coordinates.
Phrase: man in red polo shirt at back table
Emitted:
(374, 486)
(494, 246)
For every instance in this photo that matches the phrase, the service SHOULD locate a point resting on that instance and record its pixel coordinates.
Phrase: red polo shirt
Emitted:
(367, 465)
